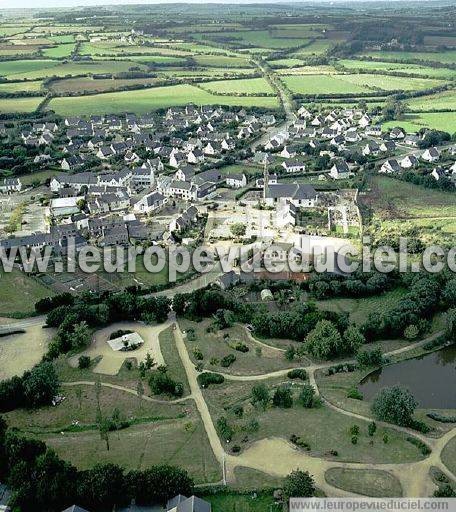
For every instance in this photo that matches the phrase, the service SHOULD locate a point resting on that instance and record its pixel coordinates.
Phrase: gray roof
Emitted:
(291, 190)
(75, 508)
(192, 504)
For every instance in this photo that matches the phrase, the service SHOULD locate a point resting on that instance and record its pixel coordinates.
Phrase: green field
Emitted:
(221, 61)
(368, 482)
(8, 87)
(243, 86)
(448, 57)
(285, 63)
(24, 68)
(18, 293)
(445, 121)
(411, 200)
(307, 70)
(78, 85)
(60, 51)
(74, 68)
(441, 101)
(317, 47)
(360, 309)
(17, 105)
(232, 502)
(150, 99)
(180, 442)
(413, 69)
(260, 38)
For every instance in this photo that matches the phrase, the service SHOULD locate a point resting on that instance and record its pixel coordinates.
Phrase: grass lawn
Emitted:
(449, 455)
(18, 293)
(409, 200)
(16, 105)
(214, 347)
(181, 442)
(368, 482)
(150, 99)
(232, 502)
(323, 428)
(243, 86)
(40, 176)
(247, 478)
(239, 169)
(172, 359)
(83, 410)
(359, 309)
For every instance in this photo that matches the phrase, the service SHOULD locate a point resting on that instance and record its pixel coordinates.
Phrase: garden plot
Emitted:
(21, 352)
(112, 360)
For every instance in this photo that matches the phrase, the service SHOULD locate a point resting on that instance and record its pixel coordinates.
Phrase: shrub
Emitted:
(368, 358)
(162, 383)
(236, 448)
(119, 333)
(354, 439)
(297, 441)
(84, 362)
(238, 411)
(241, 347)
(224, 429)
(297, 373)
(208, 378)
(282, 397)
(424, 448)
(354, 430)
(372, 428)
(198, 354)
(227, 360)
(191, 336)
(355, 394)
(441, 417)
(307, 396)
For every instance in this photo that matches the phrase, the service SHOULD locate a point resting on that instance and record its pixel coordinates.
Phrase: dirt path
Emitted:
(197, 395)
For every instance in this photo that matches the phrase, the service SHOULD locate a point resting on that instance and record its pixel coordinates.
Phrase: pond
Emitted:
(430, 378)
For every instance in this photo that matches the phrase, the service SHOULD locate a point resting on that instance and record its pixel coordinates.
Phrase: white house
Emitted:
(340, 170)
(236, 180)
(294, 165)
(9, 185)
(150, 203)
(391, 166)
(431, 155)
(409, 161)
